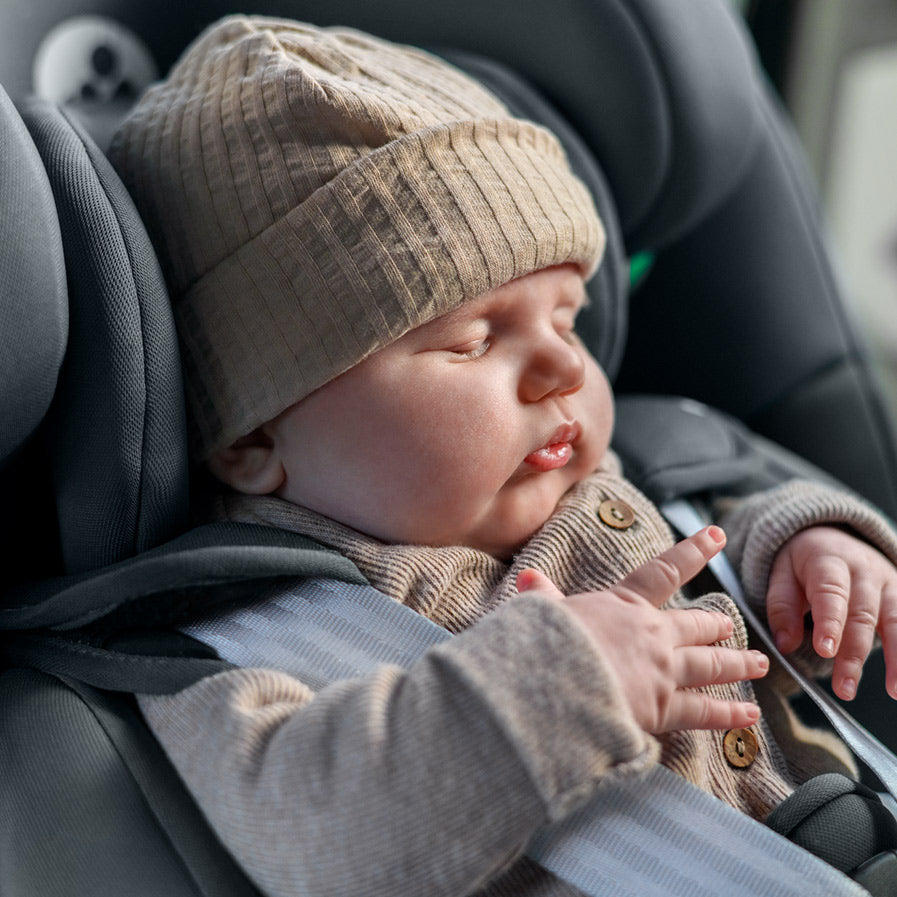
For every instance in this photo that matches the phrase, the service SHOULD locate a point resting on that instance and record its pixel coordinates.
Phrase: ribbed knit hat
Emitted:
(315, 193)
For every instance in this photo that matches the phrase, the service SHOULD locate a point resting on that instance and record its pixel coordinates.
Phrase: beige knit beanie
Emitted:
(314, 194)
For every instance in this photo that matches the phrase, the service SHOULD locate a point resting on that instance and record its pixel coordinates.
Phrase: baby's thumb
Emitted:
(530, 580)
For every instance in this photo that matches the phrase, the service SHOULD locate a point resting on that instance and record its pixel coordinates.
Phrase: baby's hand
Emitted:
(850, 590)
(660, 656)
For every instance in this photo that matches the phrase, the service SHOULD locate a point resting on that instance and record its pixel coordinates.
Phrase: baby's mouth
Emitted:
(557, 452)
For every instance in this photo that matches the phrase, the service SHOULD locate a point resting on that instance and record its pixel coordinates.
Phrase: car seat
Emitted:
(663, 112)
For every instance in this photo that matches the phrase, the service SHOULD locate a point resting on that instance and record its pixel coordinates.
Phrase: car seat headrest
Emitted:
(669, 103)
(33, 304)
(115, 436)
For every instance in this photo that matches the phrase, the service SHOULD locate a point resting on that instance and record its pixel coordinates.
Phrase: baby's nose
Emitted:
(555, 366)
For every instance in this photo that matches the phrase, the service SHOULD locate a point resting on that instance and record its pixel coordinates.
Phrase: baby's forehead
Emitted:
(561, 287)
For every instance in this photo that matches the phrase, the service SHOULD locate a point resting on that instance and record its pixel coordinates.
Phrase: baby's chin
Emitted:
(509, 532)
(503, 542)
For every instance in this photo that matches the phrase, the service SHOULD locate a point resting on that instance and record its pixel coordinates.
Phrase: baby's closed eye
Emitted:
(472, 350)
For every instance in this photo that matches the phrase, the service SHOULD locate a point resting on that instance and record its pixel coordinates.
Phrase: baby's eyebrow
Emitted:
(445, 326)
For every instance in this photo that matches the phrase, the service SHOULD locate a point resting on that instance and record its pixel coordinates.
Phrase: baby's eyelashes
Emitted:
(472, 350)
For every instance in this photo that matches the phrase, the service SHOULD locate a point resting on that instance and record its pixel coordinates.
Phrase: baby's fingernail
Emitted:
(849, 688)
(762, 659)
(782, 640)
(827, 646)
(716, 534)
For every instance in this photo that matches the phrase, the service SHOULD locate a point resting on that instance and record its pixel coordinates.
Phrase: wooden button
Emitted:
(616, 513)
(740, 747)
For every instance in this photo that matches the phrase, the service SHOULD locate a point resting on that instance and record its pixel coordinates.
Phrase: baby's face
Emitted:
(466, 431)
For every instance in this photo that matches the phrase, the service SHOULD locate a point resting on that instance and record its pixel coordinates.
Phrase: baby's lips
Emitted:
(558, 450)
(551, 457)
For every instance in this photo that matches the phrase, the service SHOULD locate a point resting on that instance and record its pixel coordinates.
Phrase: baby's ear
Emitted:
(250, 465)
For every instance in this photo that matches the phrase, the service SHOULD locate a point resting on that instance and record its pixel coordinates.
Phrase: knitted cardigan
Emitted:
(433, 780)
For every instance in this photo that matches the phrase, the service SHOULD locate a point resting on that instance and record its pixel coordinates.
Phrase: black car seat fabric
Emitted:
(771, 336)
(34, 311)
(91, 805)
(33, 331)
(118, 458)
(107, 474)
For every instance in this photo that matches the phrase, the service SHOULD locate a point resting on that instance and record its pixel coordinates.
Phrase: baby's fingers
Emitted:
(699, 666)
(857, 639)
(530, 580)
(659, 579)
(785, 605)
(692, 626)
(828, 587)
(695, 710)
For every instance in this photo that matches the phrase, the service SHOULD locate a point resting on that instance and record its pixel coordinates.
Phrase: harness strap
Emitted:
(649, 836)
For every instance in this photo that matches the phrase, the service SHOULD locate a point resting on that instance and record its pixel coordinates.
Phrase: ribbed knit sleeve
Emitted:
(425, 781)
